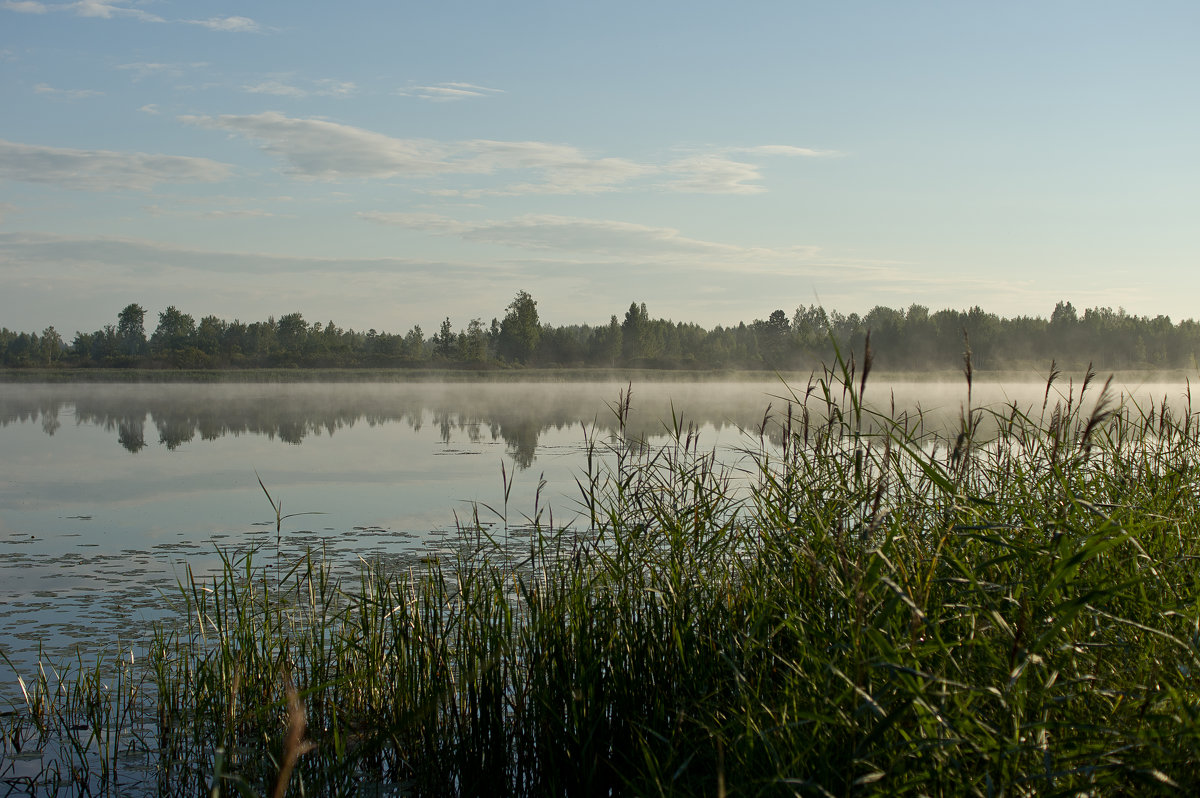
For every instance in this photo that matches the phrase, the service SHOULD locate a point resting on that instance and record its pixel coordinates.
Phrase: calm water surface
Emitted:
(109, 492)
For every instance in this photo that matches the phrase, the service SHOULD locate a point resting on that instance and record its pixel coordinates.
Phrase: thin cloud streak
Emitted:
(609, 241)
(448, 92)
(325, 87)
(318, 149)
(215, 214)
(103, 170)
(141, 255)
(66, 94)
(321, 150)
(227, 24)
(713, 174)
(144, 69)
(276, 88)
(106, 9)
(785, 149)
(25, 7)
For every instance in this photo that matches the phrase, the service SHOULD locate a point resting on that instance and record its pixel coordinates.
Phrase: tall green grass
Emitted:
(853, 606)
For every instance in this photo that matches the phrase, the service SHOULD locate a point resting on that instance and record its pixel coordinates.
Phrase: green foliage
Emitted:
(131, 330)
(904, 340)
(520, 330)
(444, 342)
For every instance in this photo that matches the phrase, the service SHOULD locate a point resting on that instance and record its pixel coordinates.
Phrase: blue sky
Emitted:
(381, 164)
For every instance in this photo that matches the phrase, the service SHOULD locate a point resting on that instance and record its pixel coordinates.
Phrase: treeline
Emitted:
(911, 339)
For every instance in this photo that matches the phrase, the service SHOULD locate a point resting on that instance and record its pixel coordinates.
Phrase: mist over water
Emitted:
(173, 415)
(108, 491)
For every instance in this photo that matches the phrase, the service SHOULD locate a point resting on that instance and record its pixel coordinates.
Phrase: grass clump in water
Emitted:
(855, 606)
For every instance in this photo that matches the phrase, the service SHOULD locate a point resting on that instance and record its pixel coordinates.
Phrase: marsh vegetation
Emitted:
(860, 604)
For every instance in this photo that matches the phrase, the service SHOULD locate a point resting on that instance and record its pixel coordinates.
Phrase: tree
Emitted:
(21, 350)
(1064, 313)
(52, 345)
(292, 332)
(634, 331)
(81, 345)
(606, 343)
(444, 341)
(774, 335)
(209, 335)
(105, 345)
(414, 343)
(474, 343)
(520, 330)
(175, 331)
(131, 329)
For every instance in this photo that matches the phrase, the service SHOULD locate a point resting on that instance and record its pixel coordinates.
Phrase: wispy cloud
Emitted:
(426, 222)
(784, 149)
(66, 94)
(103, 170)
(228, 213)
(240, 213)
(110, 9)
(448, 92)
(714, 174)
(150, 108)
(327, 87)
(228, 24)
(24, 6)
(144, 69)
(322, 150)
(276, 88)
(600, 240)
(6, 208)
(324, 87)
(103, 9)
(593, 236)
(318, 149)
(140, 254)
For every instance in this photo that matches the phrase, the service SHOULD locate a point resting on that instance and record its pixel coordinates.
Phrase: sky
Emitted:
(385, 164)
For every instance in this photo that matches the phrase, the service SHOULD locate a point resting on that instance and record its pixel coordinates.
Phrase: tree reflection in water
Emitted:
(517, 413)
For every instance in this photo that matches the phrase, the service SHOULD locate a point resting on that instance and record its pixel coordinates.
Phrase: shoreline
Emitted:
(553, 375)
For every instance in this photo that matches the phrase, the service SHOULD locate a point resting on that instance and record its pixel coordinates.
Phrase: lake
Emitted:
(108, 493)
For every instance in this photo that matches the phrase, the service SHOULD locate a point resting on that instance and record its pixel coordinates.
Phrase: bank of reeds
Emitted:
(855, 606)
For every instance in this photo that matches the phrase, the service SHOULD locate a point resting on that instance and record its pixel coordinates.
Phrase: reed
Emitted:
(852, 606)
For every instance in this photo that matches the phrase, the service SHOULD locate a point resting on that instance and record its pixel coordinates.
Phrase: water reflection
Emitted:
(518, 415)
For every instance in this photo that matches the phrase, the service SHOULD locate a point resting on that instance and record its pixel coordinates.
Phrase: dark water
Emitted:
(108, 493)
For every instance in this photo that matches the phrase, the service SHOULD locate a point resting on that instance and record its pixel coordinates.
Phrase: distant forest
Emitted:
(902, 340)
